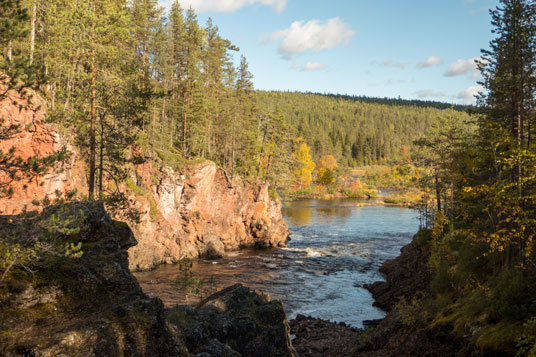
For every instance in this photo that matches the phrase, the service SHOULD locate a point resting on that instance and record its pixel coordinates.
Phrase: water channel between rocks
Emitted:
(336, 248)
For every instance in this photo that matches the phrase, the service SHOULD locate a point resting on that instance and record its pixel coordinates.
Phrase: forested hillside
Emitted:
(119, 76)
(397, 101)
(356, 132)
(125, 76)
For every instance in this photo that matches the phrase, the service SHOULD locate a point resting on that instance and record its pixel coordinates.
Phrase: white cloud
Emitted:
(468, 96)
(430, 62)
(313, 66)
(227, 6)
(429, 93)
(462, 67)
(312, 35)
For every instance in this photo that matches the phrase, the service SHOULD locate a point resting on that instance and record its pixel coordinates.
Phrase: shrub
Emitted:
(326, 177)
(512, 296)
(526, 344)
(423, 237)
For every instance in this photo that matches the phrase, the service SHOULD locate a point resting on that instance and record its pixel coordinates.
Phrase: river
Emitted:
(336, 247)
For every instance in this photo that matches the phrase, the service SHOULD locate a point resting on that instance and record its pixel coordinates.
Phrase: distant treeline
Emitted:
(390, 101)
(358, 130)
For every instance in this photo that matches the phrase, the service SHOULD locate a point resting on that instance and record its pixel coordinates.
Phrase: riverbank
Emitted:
(336, 248)
(400, 332)
(391, 197)
(48, 311)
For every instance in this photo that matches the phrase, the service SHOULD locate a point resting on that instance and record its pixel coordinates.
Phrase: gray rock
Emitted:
(86, 306)
(236, 316)
(215, 348)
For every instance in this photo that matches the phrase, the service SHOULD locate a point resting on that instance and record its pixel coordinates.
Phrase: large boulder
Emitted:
(213, 248)
(236, 321)
(406, 275)
(79, 306)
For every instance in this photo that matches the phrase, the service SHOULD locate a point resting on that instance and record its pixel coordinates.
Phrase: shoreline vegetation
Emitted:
(409, 199)
(394, 185)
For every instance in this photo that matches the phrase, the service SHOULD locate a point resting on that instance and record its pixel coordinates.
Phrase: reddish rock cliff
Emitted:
(31, 138)
(184, 214)
(200, 213)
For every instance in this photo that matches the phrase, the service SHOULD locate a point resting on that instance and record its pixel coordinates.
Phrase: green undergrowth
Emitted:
(131, 185)
(163, 152)
(493, 308)
(142, 191)
(400, 176)
(336, 190)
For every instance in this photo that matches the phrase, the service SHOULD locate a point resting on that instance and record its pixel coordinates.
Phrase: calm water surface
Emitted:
(336, 248)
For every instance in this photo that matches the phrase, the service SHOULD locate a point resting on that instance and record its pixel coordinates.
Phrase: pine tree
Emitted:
(245, 122)
(16, 69)
(192, 100)
(507, 125)
(177, 60)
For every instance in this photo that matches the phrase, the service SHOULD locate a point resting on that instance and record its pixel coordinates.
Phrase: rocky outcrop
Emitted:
(200, 213)
(187, 213)
(401, 333)
(62, 305)
(233, 322)
(22, 128)
(406, 276)
(316, 337)
(86, 306)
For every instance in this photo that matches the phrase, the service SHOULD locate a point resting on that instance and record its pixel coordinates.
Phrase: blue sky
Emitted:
(415, 49)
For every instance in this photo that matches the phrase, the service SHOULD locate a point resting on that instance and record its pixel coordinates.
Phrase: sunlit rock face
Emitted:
(201, 214)
(193, 212)
(22, 128)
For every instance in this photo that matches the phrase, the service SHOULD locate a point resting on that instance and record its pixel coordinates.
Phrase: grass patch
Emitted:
(499, 337)
(403, 198)
(153, 209)
(131, 185)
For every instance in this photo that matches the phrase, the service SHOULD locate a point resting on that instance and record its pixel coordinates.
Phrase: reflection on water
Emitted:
(300, 213)
(298, 217)
(336, 248)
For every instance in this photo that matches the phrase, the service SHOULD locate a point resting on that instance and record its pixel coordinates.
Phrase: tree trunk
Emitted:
(9, 52)
(184, 123)
(32, 31)
(438, 193)
(101, 157)
(162, 123)
(233, 148)
(93, 113)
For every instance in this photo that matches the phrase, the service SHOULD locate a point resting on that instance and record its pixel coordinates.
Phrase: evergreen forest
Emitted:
(358, 131)
(129, 82)
(120, 75)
